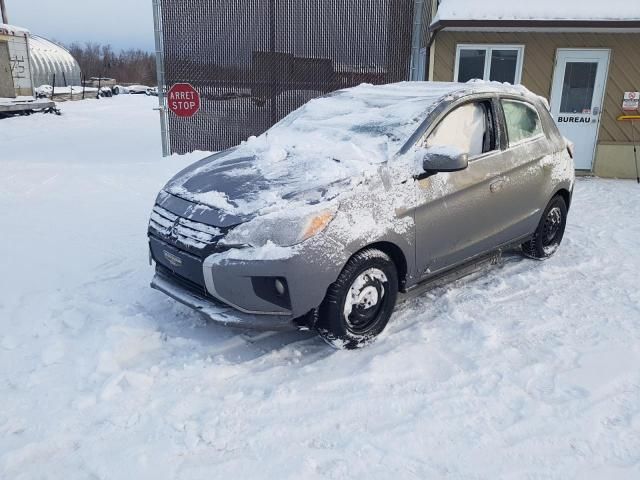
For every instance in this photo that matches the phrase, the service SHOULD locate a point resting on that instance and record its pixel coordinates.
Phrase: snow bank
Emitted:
(18, 99)
(538, 10)
(48, 90)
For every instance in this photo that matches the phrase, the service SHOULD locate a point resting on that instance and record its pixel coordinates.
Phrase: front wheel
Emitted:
(360, 302)
(548, 235)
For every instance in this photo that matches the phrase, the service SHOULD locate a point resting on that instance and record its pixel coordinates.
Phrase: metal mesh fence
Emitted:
(254, 61)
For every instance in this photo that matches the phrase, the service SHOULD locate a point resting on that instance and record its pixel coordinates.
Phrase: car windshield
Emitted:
(367, 123)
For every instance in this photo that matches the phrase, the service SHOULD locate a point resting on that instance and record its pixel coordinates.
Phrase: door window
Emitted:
(500, 63)
(468, 129)
(522, 121)
(577, 88)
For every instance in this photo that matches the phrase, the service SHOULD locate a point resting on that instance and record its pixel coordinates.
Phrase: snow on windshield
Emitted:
(367, 123)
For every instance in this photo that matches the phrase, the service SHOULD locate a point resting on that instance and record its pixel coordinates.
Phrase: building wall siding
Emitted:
(20, 67)
(539, 62)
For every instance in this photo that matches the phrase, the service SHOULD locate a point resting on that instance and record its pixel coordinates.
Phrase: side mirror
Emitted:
(444, 159)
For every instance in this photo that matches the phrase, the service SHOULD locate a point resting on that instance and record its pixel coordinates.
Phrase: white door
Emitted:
(576, 99)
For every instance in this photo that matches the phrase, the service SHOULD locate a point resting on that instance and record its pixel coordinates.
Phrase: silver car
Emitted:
(357, 197)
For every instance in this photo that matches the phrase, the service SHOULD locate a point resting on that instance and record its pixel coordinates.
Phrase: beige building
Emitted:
(583, 59)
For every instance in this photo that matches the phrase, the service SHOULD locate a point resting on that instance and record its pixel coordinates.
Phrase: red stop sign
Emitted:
(183, 100)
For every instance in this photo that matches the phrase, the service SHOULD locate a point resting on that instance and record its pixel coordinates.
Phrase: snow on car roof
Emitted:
(552, 10)
(371, 122)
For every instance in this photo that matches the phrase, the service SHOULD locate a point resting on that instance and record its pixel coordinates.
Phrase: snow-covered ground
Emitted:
(528, 371)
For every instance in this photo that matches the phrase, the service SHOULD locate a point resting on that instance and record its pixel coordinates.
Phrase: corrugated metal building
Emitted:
(47, 59)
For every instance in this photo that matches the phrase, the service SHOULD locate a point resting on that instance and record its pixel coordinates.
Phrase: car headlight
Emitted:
(283, 229)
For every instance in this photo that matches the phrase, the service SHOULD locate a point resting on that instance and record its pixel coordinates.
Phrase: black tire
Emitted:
(547, 237)
(372, 275)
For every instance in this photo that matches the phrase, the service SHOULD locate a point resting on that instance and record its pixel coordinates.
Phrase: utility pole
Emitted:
(5, 17)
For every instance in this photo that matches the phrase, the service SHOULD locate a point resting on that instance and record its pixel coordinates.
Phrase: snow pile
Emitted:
(621, 10)
(47, 90)
(18, 99)
(527, 371)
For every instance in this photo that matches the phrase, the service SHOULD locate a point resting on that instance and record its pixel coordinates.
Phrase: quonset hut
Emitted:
(47, 59)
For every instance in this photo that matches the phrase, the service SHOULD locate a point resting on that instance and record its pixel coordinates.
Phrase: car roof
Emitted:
(380, 119)
(431, 92)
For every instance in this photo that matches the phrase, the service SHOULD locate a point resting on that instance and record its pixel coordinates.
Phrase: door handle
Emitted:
(497, 185)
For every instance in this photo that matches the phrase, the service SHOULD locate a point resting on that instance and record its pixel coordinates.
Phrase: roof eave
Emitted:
(543, 24)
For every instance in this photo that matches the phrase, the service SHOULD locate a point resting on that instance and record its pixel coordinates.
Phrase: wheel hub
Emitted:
(552, 225)
(368, 297)
(364, 299)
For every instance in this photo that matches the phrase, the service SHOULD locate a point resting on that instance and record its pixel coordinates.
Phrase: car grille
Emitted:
(183, 281)
(183, 232)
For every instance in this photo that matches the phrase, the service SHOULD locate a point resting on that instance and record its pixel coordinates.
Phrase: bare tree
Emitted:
(126, 66)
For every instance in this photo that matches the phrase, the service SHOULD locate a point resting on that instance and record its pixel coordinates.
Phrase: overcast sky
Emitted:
(122, 23)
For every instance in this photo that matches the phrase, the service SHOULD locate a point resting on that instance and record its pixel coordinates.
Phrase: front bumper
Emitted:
(217, 311)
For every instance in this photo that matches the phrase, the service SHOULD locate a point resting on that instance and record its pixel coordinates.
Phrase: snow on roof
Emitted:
(12, 29)
(542, 10)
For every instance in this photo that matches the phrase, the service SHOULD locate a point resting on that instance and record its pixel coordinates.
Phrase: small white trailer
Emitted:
(16, 75)
(15, 64)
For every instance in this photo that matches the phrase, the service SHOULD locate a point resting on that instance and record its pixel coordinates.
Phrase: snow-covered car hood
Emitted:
(237, 188)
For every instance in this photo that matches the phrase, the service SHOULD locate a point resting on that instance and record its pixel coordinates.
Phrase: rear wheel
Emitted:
(359, 304)
(548, 235)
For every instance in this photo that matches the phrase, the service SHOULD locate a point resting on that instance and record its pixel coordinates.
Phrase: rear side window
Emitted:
(522, 121)
(466, 128)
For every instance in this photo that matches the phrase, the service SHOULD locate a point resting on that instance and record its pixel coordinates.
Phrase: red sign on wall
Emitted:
(183, 100)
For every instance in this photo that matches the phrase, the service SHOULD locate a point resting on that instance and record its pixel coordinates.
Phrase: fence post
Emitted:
(162, 102)
(64, 79)
(272, 66)
(416, 40)
(53, 86)
(84, 84)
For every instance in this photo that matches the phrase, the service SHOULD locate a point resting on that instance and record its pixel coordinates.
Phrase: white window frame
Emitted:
(488, 48)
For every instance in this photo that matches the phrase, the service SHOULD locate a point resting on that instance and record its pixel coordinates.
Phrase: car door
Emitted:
(527, 187)
(462, 214)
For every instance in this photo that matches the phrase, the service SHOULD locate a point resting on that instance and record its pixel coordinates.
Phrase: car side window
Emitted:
(522, 121)
(468, 128)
